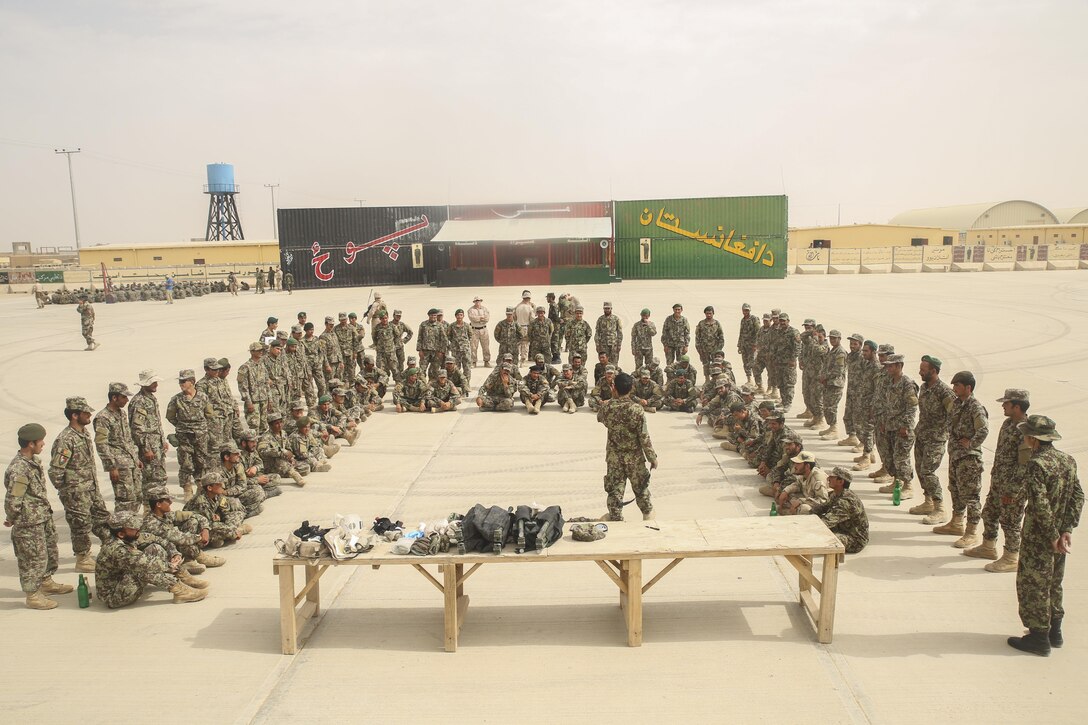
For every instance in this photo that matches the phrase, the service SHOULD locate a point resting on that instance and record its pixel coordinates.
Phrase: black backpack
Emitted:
(486, 528)
(536, 532)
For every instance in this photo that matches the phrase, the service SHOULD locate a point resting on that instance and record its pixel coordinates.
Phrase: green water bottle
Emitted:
(897, 493)
(774, 508)
(83, 593)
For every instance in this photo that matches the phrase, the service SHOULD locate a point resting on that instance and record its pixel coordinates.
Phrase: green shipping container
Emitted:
(713, 238)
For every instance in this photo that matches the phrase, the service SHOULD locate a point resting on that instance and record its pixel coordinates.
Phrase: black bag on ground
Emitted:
(486, 528)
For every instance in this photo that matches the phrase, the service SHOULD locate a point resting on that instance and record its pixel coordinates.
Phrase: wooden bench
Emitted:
(620, 555)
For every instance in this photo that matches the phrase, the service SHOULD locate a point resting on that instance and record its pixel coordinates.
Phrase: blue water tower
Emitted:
(223, 221)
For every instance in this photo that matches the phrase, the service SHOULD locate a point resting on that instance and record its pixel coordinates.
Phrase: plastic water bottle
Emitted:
(897, 493)
(83, 593)
(774, 508)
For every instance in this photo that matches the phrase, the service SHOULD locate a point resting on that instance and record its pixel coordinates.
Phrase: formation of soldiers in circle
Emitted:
(301, 392)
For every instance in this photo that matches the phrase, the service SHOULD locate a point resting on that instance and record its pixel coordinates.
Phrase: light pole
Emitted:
(272, 188)
(72, 184)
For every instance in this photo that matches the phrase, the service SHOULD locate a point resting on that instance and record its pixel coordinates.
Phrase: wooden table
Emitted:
(620, 555)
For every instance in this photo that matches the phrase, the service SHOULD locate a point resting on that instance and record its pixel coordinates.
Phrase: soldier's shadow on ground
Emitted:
(929, 644)
(907, 568)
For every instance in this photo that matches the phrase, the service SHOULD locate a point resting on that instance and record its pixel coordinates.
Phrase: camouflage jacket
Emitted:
(331, 347)
(189, 415)
(86, 313)
(430, 337)
(223, 513)
(494, 387)
(1010, 458)
(573, 386)
(457, 378)
(844, 513)
(507, 333)
(165, 531)
(763, 344)
(540, 386)
(854, 361)
(540, 332)
(460, 337)
(329, 415)
(812, 489)
(578, 334)
(834, 370)
(601, 391)
(609, 331)
(684, 390)
(689, 372)
(657, 374)
(675, 333)
(384, 336)
(113, 440)
(410, 393)
(25, 500)
(1055, 496)
(347, 339)
(901, 403)
(642, 335)
(935, 404)
(748, 335)
(253, 382)
(709, 337)
(278, 373)
(968, 420)
(71, 460)
(443, 336)
(649, 391)
(789, 347)
(273, 448)
(445, 392)
(145, 422)
(315, 352)
(627, 433)
(402, 333)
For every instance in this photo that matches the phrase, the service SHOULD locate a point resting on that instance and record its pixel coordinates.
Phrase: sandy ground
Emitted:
(920, 629)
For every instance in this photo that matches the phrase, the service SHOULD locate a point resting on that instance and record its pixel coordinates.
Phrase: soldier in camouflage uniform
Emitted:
(878, 412)
(117, 450)
(781, 444)
(315, 357)
(347, 340)
(535, 390)
(900, 413)
(334, 361)
(786, 354)
(675, 334)
(226, 404)
(853, 376)
(385, 345)
(442, 395)
(123, 570)
(298, 370)
(207, 385)
(642, 339)
(747, 431)
(540, 334)
(832, 381)
(863, 411)
(189, 412)
(497, 392)
(179, 532)
(844, 513)
(570, 390)
(305, 445)
(647, 393)
(1005, 501)
(1055, 500)
(225, 516)
(578, 334)
(276, 454)
(967, 431)
(253, 466)
(455, 376)
(401, 336)
(86, 322)
(507, 334)
(683, 364)
(747, 340)
(627, 451)
(762, 359)
(709, 338)
(235, 482)
(254, 389)
(608, 335)
(566, 315)
(808, 489)
(772, 347)
(604, 390)
(459, 336)
(28, 513)
(812, 361)
(72, 472)
(681, 393)
(410, 396)
(935, 403)
(275, 363)
(430, 345)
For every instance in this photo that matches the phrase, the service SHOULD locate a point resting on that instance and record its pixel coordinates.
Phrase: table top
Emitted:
(764, 536)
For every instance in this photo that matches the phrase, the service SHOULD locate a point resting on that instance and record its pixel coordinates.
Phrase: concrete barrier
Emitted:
(1063, 264)
(809, 269)
(966, 267)
(1030, 266)
(998, 267)
(876, 268)
(936, 267)
(843, 269)
(906, 268)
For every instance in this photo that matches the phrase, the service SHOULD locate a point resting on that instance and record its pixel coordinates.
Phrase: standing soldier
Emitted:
(900, 409)
(608, 335)
(376, 307)
(402, 336)
(146, 424)
(555, 315)
(334, 361)
(853, 372)
(709, 338)
(429, 346)
(385, 345)
(72, 472)
(268, 334)
(675, 334)
(298, 384)
(347, 339)
(642, 339)
(868, 369)
(208, 386)
(762, 359)
(507, 335)
(627, 450)
(1005, 501)
(786, 359)
(967, 430)
(276, 365)
(478, 318)
(935, 403)
(28, 513)
(523, 315)
(259, 281)
(832, 382)
(813, 360)
(315, 357)
(86, 322)
(1054, 503)
(540, 334)
(460, 343)
(189, 411)
(117, 449)
(578, 334)
(254, 388)
(232, 284)
(746, 340)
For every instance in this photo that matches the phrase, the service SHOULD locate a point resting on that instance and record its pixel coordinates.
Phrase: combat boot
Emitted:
(187, 492)
(937, 515)
(864, 464)
(955, 527)
(986, 550)
(51, 587)
(194, 567)
(85, 562)
(850, 440)
(1056, 639)
(245, 529)
(351, 436)
(969, 538)
(191, 581)
(1036, 642)
(759, 388)
(609, 516)
(862, 458)
(537, 404)
(830, 434)
(887, 488)
(323, 467)
(907, 492)
(210, 560)
(38, 600)
(728, 446)
(648, 515)
(331, 449)
(296, 477)
(185, 593)
(816, 422)
(1009, 562)
(767, 490)
(879, 473)
(777, 395)
(804, 414)
(926, 507)
(529, 407)
(858, 449)
(651, 409)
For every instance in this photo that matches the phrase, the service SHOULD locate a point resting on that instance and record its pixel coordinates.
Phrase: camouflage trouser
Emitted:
(705, 357)
(480, 339)
(559, 330)
(400, 360)
(189, 526)
(541, 347)
(349, 366)
(386, 359)
(250, 496)
(748, 360)
(464, 361)
(562, 396)
(36, 551)
(154, 471)
(622, 467)
(830, 395)
(496, 403)
(127, 490)
(612, 350)
(849, 414)
(505, 349)
(687, 406)
(572, 351)
(149, 565)
(810, 392)
(283, 468)
(257, 419)
(225, 532)
(758, 366)
(193, 455)
(431, 361)
(1006, 510)
(928, 453)
(319, 380)
(883, 448)
(88, 333)
(1039, 583)
(86, 513)
(965, 484)
(853, 544)
(672, 354)
(898, 463)
(643, 358)
(864, 428)
(787, 380)
(774, 372)
(545, 397)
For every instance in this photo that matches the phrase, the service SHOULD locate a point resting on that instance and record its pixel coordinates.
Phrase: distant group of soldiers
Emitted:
(148, 291)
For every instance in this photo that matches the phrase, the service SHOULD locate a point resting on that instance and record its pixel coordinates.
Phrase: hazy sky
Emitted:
(877, 106)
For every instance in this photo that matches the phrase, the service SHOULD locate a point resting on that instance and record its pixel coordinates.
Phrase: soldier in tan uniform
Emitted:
(479, 317)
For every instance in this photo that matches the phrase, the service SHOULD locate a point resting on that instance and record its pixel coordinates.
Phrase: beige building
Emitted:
(1028, 235)
(962, 217)
(243, 252)
(862, 236)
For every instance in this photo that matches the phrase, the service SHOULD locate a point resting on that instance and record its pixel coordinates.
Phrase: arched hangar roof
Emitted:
(1017, 212)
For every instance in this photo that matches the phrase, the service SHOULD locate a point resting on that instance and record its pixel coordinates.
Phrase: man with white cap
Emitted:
(378, 305)
(523, 315)
(116, 448)
(478, 318)
(145, 422)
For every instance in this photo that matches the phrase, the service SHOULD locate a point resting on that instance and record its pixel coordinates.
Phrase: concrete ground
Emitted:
(920, 629)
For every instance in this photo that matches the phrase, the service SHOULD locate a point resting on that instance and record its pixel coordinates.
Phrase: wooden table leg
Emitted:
(826, 625)
(634, 602)
(449, 596)
(460, 569)
(288, 624)
(314, 595)
(623, 592)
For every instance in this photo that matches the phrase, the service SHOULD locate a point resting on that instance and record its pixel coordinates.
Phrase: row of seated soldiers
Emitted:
(149, 291)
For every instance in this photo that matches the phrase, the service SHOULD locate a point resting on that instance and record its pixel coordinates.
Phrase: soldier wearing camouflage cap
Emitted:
(967, 431)
(747, 335)
(642, 339)
(116, 448)
(935, 404)
(709, 338)
(253, 388)
(507, 335)
(570, 390)
(832, 383)
(540, 332)
(843, 512)
(189, 412)
(604, 390)
(86, 322)
(898, 416)
(608, 334)
(853, 385)
(410, 396)
(146, 424)
(183, 533)
(577, 334)
(646, 392)
(497, 392)
(675, 334)
(236, 484)
(459, 335)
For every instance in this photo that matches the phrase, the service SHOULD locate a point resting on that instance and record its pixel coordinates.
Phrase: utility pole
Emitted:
(360, 201)
(272, 188)
(72, 184)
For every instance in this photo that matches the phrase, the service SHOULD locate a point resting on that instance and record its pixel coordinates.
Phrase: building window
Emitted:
(1017, 236)
(1074, 235)
(157, 259)
(198, 261)
(116, 259)
(1035, 239)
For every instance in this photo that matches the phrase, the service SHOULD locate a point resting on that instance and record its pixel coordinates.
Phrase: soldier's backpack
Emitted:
(536, 530)
(486, 528)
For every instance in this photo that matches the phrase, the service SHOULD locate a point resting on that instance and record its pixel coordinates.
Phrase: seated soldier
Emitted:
(515, 373)
(276, 453)
(236, 484)
(225, 516)
(411, 395)
(335, 422)
(442, 395)
(843, 512)
(682, 365)
(455, 376)
(681, 393)
(179, 532)
(605, 389)
(122, 570)
(577, 366)
(253, 465)
(747, 430)
(647, 393)
(351, 415)
(497, 392)
(535, 390)
(304, 447)
(570, 391)
(549, 372)
(808, 490)
(602, 366)
(710, 388)
(363, 400)
(374, 375)
(321, 437)
(774, 457)
(717, 409)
